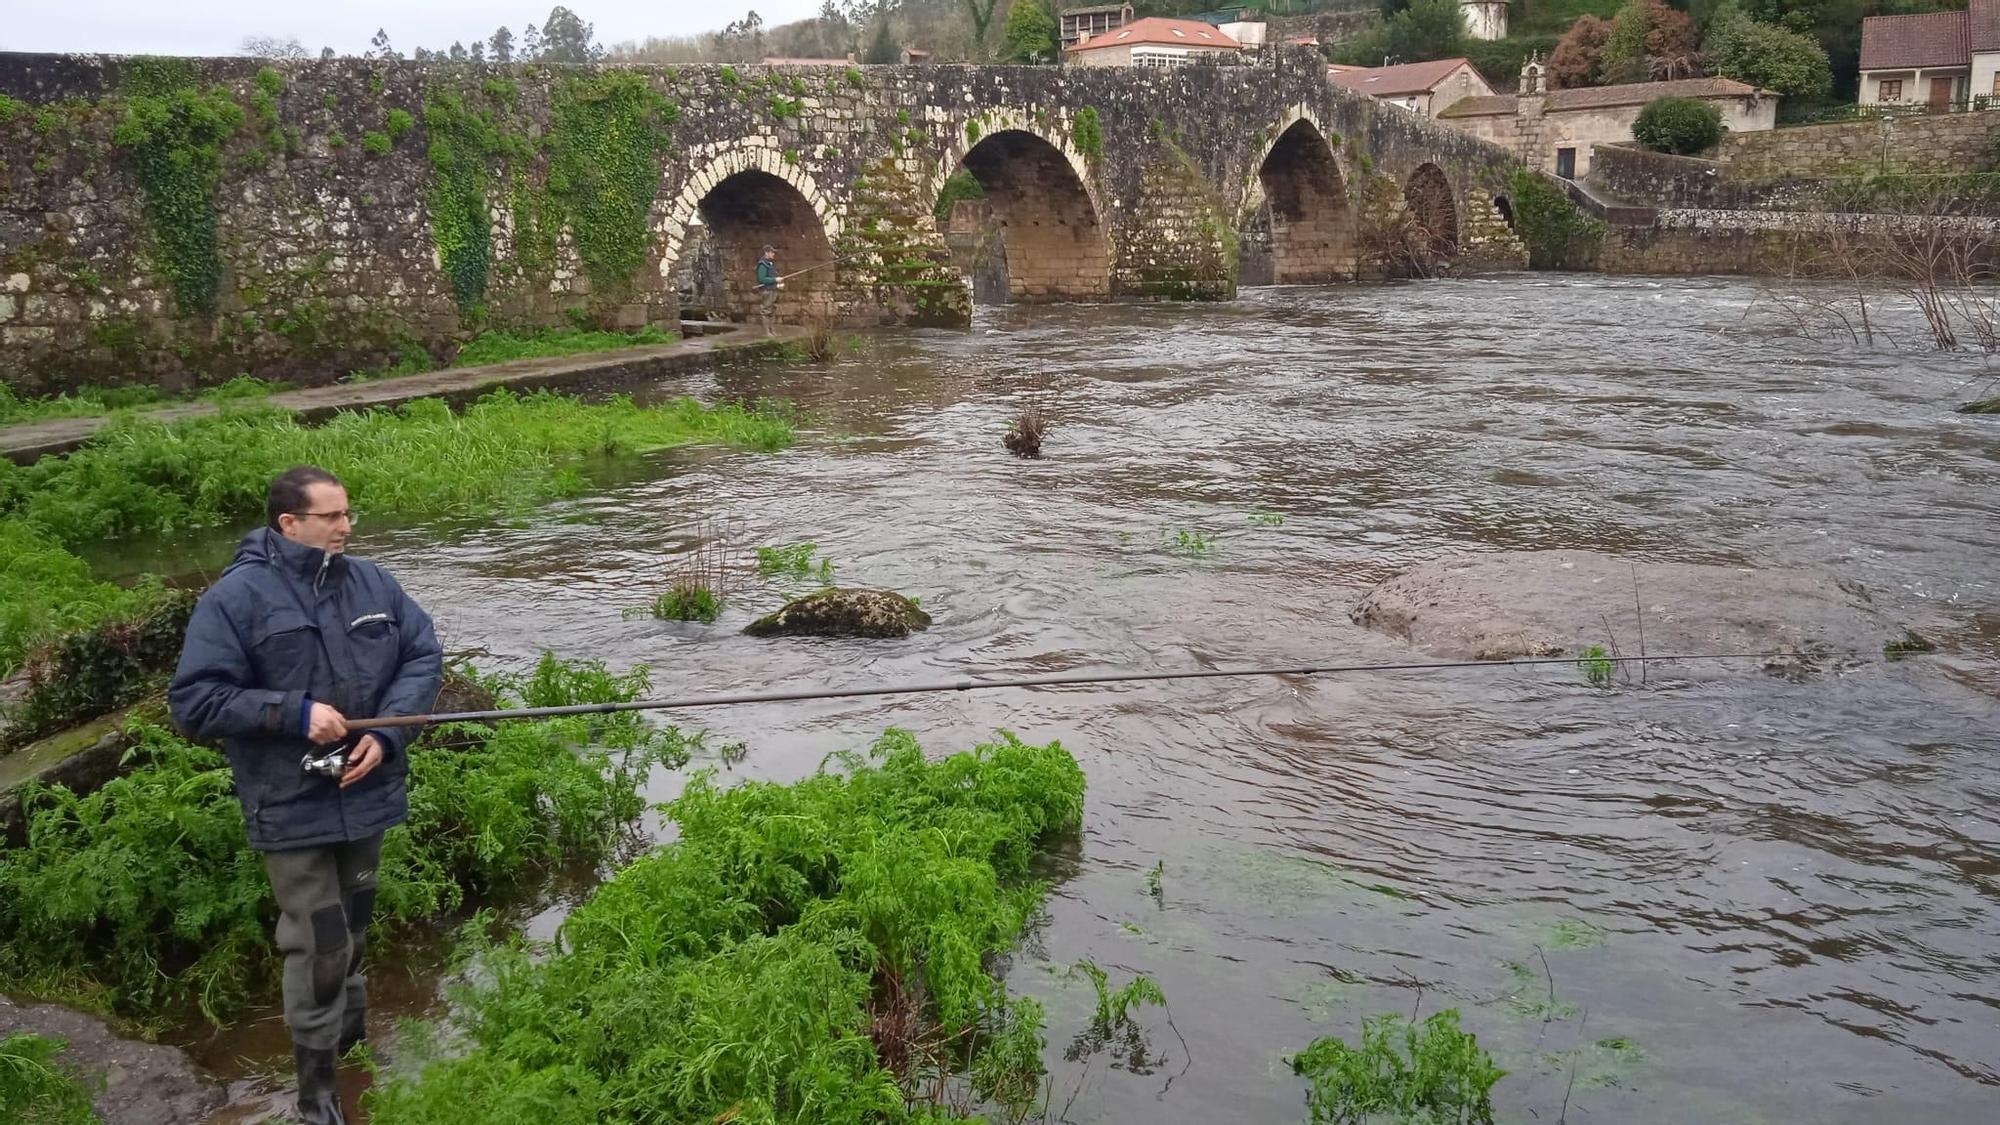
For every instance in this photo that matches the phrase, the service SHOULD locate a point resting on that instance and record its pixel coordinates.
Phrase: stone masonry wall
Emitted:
(1656, 179)
(363, 210)
(1935, 143)
(1697, 241)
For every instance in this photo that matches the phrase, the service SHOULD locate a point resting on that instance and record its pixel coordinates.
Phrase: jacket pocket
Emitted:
(376, 642)
(285, 653)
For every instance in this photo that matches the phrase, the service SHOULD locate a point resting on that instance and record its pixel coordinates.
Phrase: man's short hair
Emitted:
(288, 491)
(770, 249)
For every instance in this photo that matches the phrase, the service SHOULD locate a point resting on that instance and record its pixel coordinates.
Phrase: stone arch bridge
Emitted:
(1093, 184)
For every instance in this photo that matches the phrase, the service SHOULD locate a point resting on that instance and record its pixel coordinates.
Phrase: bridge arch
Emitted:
(1433, 210)
(738, 197)
(1296, 203)
(1040, 199)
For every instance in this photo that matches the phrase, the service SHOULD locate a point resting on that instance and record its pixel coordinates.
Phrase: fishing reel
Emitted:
(330, 764)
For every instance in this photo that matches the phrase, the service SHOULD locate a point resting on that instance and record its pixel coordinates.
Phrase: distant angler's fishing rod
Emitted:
(1058, 680)
(823, 265)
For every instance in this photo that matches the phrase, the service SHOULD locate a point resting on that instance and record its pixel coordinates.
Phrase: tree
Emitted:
(1029, 34)
(567, 39)
(531, 42)
(982, 18)
(1768, 57)
(272, 47)
(477, 52)
(326, 54)
(379, 48)
(1647, 36)
(456, 53)
(882, 49)
(1427, 29)
(1682, 126)
(501, 43)
(1577, 59)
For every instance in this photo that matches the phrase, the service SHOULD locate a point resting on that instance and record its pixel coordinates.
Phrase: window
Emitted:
(1159, 58)
(1891, 89)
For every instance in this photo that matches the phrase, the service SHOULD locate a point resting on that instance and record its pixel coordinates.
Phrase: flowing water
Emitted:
(1736, 898)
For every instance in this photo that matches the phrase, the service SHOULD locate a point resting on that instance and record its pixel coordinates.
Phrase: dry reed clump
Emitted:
(1024, 434)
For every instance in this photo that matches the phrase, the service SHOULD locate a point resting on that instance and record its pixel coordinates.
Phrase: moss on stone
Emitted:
(843, 612)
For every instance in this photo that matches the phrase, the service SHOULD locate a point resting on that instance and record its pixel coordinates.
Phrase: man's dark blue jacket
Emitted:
(287, 622)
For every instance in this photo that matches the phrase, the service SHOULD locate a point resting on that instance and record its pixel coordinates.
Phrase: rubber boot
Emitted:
(319, 1097)
(353, 1029)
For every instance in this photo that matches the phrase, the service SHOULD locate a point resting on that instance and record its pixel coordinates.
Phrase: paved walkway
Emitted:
(28, 441)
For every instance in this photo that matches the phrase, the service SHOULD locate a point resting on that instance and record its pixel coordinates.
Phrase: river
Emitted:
(1737, 898)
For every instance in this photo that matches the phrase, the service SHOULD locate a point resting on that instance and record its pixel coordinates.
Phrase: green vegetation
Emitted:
(10, 108)
(175, 134)
(959, 185)
(461, 227)
(89, 672)
(374, 143)
(1682, 126)
(1422, 30)
(1910, 644)
(972, 132)
(1768, 56)
(82, 403)
(501, 347)
(398, 123)
(688, 602)
(1267, 519)
(1575, 933)
(1596, 666)
(1088, 133)
(1195, 544)
(506, 452)
(1156, 879)
(34, 1090)
(794, 561)
(811, 952)
(1029, 34)
(1558, 234)
(1533, 995)
(608, 134)
(1982, 406)
(143, 898)
(1432, 1072)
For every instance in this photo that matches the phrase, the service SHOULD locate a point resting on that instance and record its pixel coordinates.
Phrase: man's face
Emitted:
(322, 522)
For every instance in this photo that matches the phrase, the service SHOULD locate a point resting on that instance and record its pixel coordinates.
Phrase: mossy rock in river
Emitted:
(842, 612)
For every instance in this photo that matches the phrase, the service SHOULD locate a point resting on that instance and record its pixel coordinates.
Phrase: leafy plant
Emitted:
(687, 602)
(1596, 666)
(817, 951)
(1087, 131)
(1156, 880)
(375, 144)
(34, 1090)
(794, 561)
(1267, 519)
(1681, 126)
(175, 133)
(1557, 233)
(959, 185)
(1432, 1072)
(1195, 544)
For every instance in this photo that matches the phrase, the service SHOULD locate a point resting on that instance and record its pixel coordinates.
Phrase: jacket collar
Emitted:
(310, 565)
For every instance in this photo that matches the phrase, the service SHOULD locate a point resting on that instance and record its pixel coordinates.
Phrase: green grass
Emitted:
(794, 560)
(1432, 1072)
(502, 347)
(813, 952)
(504, 454)
(85, 402)
(34, 1090)
(688, 603)
(1596, 666)
(143, 899)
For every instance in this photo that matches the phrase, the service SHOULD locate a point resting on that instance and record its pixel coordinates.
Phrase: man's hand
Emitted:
(324, 725)
(366, 756)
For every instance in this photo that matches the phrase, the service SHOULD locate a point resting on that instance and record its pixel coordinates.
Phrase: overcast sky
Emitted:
(217, 27)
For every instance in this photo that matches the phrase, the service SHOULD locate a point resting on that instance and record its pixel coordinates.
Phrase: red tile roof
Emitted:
(1924, 39)
(1408, 78)
(1154, 30)
(1984, 25)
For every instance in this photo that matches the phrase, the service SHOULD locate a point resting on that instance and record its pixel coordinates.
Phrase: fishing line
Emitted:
(1063, 679)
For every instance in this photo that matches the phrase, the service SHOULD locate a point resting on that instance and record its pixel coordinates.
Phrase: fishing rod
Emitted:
(1056, 680)
(823, 265)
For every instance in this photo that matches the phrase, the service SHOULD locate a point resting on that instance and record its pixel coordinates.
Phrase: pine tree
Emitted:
(502, 45)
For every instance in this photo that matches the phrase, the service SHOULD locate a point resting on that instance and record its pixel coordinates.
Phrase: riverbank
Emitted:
(594, 371)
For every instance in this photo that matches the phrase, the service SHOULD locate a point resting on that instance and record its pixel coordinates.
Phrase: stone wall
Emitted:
(1934, 143)
(1792, 243)
(1655, 179)
(337, 213)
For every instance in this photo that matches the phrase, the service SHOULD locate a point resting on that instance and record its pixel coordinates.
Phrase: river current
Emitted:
(1736, 898)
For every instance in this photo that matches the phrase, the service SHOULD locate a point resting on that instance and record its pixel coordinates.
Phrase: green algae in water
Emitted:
(1574, 933)
(1532, 996)
(1286, 884)
(1321, 1000)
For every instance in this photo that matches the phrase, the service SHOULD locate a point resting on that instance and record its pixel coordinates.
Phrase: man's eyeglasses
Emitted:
(346, 514)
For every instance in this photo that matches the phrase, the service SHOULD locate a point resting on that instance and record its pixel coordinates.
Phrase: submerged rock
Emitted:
(1559, 603)
(843, 612)
(131, 1083)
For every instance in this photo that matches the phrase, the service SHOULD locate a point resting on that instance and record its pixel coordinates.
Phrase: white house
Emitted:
(1932, 58)
(1424, 88)
(1158, 43)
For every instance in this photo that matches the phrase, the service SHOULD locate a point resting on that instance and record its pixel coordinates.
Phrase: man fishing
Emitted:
(295, 637)
(768, 284)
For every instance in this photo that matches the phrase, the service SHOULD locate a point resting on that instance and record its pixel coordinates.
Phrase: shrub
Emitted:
(399, 123)
(1678, 125)
(34, 1089)
(1579, 56)
(1556, 231)
(374, 143)
(1767, 56)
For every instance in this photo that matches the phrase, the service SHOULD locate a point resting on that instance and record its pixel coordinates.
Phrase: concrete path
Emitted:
(624, 367)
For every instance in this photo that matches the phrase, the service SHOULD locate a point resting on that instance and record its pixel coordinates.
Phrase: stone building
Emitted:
(1485, 19)
(1079, 24)
(1554, 130)
(1938, 59)
(1423, 88)
(1157, 44)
